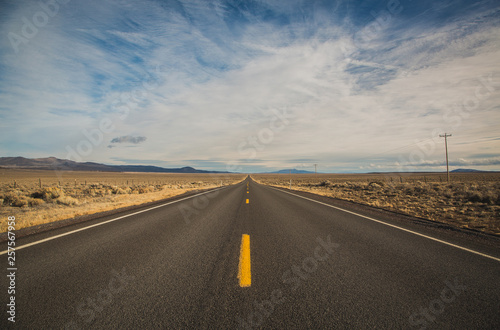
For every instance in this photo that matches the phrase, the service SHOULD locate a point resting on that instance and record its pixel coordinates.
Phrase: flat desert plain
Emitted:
(469, 200)
(41, 196)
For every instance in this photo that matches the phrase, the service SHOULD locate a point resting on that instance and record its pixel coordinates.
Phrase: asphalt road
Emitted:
(312, 266)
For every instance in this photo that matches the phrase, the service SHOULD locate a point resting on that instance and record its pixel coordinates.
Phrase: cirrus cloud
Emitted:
(427, 67)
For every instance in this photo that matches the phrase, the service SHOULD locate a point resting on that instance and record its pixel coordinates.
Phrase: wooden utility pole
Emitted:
(315, 168)
(446, 149)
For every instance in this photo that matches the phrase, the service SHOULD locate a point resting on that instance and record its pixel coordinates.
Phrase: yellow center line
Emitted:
(248, 201)
(244, 273)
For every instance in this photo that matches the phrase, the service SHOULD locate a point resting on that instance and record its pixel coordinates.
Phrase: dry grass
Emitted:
(469, 201)
(65, 195)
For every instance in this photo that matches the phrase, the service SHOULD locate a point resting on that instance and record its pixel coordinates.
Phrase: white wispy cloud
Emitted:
(200, 79)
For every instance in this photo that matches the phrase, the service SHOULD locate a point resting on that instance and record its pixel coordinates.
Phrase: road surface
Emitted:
(304, 264)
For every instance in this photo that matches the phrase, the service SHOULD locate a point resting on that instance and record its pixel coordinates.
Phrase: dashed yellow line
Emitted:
(248, 201)
(244, 271)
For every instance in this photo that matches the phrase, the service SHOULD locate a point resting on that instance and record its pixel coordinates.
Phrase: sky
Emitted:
(253, 86)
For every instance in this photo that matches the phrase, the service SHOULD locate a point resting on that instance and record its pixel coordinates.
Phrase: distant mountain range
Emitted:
(293, 171)
(52, 163)
(458, 170)
(465, 170)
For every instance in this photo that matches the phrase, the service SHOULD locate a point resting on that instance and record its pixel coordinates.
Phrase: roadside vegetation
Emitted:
(38, 197)
(469, 201)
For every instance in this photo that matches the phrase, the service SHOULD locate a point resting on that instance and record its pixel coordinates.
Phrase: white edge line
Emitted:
(107, 221)
(394, 226)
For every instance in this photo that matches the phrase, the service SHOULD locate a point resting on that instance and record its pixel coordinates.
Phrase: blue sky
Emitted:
(252, 86)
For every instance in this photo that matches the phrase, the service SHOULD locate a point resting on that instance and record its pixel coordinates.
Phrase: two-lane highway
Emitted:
(303, 264)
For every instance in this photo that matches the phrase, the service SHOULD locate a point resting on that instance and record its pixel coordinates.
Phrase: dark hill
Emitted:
(52, 163)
